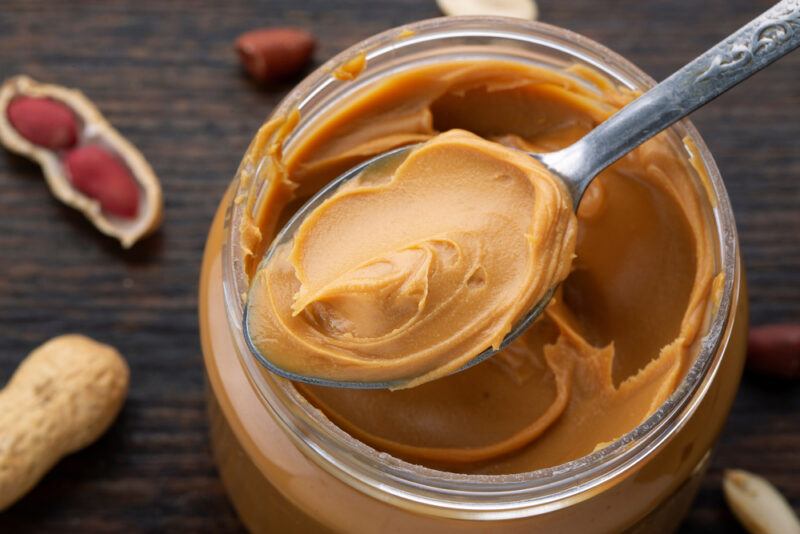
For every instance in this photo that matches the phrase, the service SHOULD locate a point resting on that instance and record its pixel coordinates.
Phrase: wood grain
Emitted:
(164, 73)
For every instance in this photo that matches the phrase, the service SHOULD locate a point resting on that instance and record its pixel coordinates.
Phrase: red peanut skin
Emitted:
(774, 350)
(99, 174)
(274, 54)
(43, 122)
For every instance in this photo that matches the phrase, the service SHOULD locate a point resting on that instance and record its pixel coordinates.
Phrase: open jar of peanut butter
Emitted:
(600, 419)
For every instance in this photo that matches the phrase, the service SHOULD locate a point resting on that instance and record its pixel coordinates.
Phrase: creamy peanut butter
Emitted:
(406, 274)
(623, 328)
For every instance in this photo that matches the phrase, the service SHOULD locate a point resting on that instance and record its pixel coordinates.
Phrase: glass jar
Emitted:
(288, 469)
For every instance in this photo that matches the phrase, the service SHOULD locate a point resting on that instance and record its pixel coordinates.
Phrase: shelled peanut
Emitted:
(275, 54)
(61, 398)
(86, 162)
(774, 350)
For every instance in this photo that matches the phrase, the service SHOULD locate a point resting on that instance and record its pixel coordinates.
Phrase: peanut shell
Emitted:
(758, 505)
(522, 9)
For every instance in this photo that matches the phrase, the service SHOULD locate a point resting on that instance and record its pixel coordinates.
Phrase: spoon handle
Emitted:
(757, 44)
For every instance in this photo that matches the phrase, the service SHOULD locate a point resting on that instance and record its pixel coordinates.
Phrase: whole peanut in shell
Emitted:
(61, 398)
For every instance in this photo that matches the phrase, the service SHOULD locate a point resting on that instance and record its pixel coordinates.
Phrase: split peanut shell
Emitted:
(93, 129)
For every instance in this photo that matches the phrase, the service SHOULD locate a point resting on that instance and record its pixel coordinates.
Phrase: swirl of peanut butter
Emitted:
(408, 275)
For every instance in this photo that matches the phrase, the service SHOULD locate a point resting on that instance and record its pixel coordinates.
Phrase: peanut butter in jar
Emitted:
(622, 337)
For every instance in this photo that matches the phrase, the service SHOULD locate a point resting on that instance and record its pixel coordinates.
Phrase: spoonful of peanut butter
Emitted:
(430, 258)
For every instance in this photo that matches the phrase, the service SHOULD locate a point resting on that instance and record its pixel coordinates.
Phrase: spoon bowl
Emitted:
(379, 165)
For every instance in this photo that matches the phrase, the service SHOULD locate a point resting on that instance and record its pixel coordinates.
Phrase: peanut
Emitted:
(274, 54)
(774, 350)
(98, 174)
(43, 122)
(757, 504)
(61, 398)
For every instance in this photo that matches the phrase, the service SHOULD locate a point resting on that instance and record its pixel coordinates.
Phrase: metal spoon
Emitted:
(765, 39)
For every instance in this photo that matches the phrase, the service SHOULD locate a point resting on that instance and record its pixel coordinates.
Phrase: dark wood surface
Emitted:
(164, 73)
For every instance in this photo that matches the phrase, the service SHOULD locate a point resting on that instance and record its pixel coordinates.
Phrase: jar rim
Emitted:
(486, 496)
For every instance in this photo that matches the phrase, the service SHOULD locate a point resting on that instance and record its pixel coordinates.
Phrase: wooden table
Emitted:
(164, 73)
